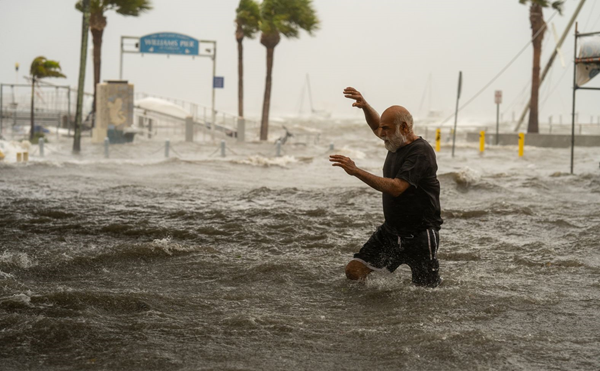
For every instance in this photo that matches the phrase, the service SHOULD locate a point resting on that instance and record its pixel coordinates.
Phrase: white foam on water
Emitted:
(20, 298)
(467, 176)
(6, 275)
(352, 153)
(20, 259)
(166, 245)
(259, 160)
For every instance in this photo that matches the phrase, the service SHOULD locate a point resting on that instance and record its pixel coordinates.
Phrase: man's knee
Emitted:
(356, 270)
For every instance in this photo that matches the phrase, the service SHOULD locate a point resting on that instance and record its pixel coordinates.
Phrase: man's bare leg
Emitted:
(357, 271)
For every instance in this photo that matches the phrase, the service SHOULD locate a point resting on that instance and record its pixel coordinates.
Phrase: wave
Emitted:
(466, 179)
(156, 232)
(119, 254)
(463, 214)
(496, 208)
(544, 263)
(53, 213)
(459, 256)
(67, 300)
(258, 160)
(17, 259)
(560, 223)
(350, 152)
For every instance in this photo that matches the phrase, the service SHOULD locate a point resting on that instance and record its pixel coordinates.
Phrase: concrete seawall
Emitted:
(538, 140)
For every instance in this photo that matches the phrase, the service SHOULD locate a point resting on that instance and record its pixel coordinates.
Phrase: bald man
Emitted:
(411, 199)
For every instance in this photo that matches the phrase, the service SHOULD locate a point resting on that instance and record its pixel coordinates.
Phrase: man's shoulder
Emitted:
(420, 146)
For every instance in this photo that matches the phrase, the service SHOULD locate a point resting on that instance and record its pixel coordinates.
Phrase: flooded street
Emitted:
(205, 263)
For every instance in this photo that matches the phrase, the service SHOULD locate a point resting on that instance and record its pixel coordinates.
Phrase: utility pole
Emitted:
(551, 60)
(82, 63)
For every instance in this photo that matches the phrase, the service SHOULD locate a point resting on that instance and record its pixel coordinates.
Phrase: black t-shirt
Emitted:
(418, 207)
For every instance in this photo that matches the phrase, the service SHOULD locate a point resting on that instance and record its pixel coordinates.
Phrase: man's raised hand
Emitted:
(352, 93)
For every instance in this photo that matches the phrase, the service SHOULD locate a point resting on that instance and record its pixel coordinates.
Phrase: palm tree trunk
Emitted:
(240, 79)
(97, 40)
(264, 126)
(536, 18)
(97, 26)
(32, 101)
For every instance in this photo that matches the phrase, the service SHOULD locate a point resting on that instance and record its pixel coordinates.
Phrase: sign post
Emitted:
(456, 112)
(498, 101)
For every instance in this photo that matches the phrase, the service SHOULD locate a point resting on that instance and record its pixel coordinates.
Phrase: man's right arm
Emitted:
(371, 115)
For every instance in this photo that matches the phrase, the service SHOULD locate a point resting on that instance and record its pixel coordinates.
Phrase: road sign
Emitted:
(169, 43)
(498, 97)
(219, 82)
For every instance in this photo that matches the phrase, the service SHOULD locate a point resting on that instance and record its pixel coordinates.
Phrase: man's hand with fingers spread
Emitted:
(371, 116)
(352, 93)
(345, 163)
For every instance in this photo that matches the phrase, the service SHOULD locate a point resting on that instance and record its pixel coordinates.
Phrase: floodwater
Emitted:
(205, 263)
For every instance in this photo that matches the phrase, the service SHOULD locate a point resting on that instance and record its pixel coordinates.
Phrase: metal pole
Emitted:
(214, 114)
(68, 108)
(456, 111)
(41, 144)
(106, 146)
(551, 60)
(167, 145)
(497, 123)
(222, 148)
(82, 63)
(121, 61)
(1, 112)
(278, 148)
(574, 91)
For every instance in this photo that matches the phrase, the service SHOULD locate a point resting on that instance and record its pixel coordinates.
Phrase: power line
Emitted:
(589, 16)
(503, 69)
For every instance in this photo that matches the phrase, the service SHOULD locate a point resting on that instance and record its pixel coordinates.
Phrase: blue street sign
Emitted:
(169, 43)
(219, 82)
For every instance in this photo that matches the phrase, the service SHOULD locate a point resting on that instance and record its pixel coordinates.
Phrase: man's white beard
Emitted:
(395, 141)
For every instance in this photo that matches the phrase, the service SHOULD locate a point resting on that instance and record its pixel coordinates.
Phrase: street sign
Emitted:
(219, 82)
(169, 43)
(498, 97)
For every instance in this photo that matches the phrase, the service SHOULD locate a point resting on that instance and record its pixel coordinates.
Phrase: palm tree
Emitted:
(98, 24)
(41, 68)
(279, 17)
(247, 18)
(538, 28)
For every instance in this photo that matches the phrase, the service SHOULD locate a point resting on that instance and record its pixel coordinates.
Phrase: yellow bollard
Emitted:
(438, 139)
(521, 144)
(19, 156)
(481, 141)
(25, 156)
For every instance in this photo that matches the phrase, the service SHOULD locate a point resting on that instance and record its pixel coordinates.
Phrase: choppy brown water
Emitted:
(221, 264)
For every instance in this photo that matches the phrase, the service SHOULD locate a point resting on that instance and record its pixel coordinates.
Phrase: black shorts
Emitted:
(386, 250)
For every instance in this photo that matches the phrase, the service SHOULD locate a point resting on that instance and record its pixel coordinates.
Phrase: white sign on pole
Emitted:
(498, 97)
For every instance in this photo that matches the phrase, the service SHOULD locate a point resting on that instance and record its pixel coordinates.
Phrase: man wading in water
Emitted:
(411, 199)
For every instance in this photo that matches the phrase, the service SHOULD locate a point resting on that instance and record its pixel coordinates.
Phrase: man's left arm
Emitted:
(394, 187)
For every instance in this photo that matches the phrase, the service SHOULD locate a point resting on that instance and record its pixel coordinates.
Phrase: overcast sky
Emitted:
(385, 48)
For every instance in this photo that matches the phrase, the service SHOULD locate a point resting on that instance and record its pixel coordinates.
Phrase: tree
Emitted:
(247, 19)
(538, 28)
(40, 69)
(287, 18)
(98, 24)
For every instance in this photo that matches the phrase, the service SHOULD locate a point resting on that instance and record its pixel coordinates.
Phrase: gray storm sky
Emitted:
(385, 48)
